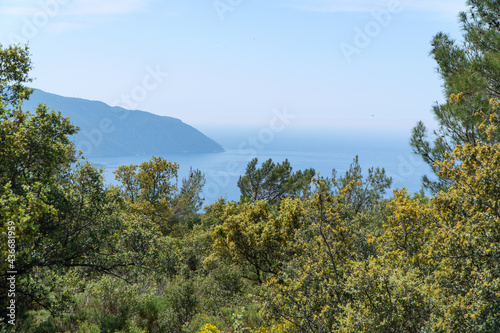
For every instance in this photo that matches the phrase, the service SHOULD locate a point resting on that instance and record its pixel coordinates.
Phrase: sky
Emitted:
(326, 64)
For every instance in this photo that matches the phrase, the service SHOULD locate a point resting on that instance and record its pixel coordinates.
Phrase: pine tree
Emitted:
(471, 74)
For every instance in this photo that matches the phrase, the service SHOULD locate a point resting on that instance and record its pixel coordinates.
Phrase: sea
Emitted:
(323, 150)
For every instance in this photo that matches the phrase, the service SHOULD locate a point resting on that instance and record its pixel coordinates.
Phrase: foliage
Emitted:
(254, 238)
(310, 292)
(273, 182)
(466, 241)
(296, 254)
(209, 328)
(65, 220)
(149, 188)
(151, 191)
(15, 64)
(471, 80)
(188, 202)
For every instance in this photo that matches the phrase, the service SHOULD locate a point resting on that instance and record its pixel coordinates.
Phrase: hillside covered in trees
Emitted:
(115, 131)
(298, 253)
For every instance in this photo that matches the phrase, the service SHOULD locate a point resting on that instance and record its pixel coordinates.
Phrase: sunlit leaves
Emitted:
(470, 73)
(255, 237)
(274, 181)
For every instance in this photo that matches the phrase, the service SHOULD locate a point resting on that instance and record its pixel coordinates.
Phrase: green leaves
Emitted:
(274, 182)
(151, 192)
(15, 64)
(255, 237)
(471, 72)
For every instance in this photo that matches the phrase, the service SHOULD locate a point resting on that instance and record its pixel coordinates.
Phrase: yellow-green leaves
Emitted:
(254, 236)
(407, 229)
(15, 65)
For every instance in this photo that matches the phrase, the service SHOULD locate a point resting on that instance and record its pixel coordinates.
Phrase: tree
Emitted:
(151, 191)
(467, 237)
(364, 204)
(15, 64)
(35, 152)
(436, 267)
(61, 217)
(274, 182)
(366, 193)
(254, 238)
(311, 289)
(471, 75)
(188, 202)
(150, 187)
(387, 288)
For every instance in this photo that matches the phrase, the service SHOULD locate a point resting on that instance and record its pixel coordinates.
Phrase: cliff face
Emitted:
(115, 131)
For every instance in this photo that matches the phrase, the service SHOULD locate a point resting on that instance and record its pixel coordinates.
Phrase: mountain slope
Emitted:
(115, 131)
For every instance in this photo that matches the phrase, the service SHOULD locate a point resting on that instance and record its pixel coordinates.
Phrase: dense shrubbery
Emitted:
(299, 253)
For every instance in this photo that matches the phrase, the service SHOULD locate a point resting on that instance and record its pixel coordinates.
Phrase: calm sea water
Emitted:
(322, 151)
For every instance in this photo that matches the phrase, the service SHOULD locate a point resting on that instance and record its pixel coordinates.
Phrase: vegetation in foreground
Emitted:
(297, 253)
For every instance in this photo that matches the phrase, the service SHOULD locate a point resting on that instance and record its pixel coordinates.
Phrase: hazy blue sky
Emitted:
(330, 63)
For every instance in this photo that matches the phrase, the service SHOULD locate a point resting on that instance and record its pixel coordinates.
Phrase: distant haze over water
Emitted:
(319, 149)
